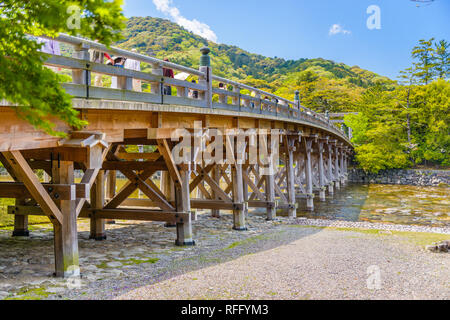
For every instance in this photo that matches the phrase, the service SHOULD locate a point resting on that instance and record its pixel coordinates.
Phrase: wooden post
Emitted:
(65, 233)
(216, 174)
(155, 87)
(81, 76)
(342, 168)
(336, 168)
(98, 202)
(270, 192)
(330, 169)
(20, 222)
(290, 148)
(168, 189)
(184, 228)
(205, 67)
(308, 174)
(235, 99)
(321, 173)
(238, 197)
(111, 190)
(245, 192)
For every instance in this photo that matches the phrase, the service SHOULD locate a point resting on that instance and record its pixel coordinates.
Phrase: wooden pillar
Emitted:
(65, 233)
(97, 202)
(20, 223)
(321, 173)
(238, 197)
(290, 149)
(336, 168)
(111, 190)
(342, 167)
(216, 174)
(184, 228)
(245, 192)
(308, 175)
(330, 170)
(168, 189)
(270, 193)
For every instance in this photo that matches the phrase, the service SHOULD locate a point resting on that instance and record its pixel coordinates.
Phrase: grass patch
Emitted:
(30, 294)
(139, 261)
(246, 241)
(128, 262)
(418, 238)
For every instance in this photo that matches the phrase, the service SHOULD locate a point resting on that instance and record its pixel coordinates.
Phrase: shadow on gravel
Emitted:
(217, 243)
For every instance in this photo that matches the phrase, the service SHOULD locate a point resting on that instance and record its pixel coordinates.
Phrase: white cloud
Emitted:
(336, 29)
(195, 26)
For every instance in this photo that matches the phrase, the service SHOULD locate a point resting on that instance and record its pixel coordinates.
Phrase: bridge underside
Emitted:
(313, 161)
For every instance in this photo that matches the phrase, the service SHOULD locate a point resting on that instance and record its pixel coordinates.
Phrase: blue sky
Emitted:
(294, 29)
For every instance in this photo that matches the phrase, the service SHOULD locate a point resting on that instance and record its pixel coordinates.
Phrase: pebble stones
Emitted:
(443, 246)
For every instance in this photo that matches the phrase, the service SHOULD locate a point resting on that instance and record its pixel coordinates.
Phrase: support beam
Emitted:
(97, 202)
(336, 168)
(321, 172)
(330, 170)
(290, 149)
(216, 177)
(111, 189)
(238, 197)
(65, 232)
(21, 168)
(20, 222)
(270, 192)
(182, 193)
(308, 173)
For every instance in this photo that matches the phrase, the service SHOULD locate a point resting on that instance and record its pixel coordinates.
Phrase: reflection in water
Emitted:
(385, 203)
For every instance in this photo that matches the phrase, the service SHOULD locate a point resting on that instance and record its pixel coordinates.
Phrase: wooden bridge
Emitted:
(313, 152)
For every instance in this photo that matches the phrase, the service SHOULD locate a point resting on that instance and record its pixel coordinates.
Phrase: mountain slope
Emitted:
(323, 84)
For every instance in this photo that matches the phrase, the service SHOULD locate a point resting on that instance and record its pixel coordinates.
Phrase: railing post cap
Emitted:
(205, 50)
(205, 59)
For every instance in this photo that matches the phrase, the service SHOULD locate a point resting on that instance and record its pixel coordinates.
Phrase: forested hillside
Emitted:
(323, 84)
(400, 124)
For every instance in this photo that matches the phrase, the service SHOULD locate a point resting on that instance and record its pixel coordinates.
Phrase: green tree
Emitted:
(424, 53)
(379, 136)
(23, 78)
(442, 59)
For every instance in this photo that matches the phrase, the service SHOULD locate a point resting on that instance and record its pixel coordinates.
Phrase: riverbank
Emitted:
(414, 177)
(283, 259)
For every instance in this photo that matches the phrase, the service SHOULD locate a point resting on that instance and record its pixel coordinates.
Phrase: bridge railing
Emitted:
(206, 91)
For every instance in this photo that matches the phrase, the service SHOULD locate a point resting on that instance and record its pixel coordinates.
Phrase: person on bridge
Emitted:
(120, 63)
(51, 47)
(136, 66)
(98, 57)
(193, 93)
(168, 73)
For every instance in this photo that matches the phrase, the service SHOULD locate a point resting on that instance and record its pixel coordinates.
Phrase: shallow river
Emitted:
(385, 203)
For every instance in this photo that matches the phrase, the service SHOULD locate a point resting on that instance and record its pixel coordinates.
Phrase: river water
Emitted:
(411, 205)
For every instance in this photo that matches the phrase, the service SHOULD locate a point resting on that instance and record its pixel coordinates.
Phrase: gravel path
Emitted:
(317, 264)
(283, 259)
